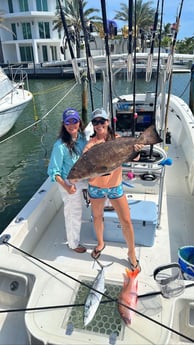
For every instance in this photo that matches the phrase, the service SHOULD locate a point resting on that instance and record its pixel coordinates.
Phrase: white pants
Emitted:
(73, 213)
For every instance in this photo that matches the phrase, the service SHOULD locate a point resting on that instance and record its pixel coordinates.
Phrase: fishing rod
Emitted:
(157, 72)
(105, 27)
(90, 64)
(150, 56)
(4, 240)
(61, 306)
(134, 120)
(175, 33)
(73, 60)
(158, 61)
(170, 60)
(130, 41)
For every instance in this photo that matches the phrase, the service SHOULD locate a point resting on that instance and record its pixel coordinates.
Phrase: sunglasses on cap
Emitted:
(70, 121)
(98, 122)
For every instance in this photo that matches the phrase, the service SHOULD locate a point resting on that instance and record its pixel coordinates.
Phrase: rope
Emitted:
(4, 241)
(40, 120)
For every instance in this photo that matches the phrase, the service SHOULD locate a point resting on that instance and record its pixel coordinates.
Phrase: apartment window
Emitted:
(26, 54)
(26, 29)
(44, 53)
(23, 5)
(10, 5)
(13, 29)
(54, 53)
(44, 31)
(41, 5)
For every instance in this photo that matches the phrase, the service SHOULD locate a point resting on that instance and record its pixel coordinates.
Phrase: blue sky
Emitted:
(171, 8)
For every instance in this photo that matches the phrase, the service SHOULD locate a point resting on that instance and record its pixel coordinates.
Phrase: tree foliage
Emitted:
(72, 17)
(144, 14)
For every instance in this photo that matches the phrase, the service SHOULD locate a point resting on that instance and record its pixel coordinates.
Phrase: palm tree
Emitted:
(144, 14)
(72, 16)
(144, 18)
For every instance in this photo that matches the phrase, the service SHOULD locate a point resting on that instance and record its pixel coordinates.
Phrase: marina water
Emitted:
(24, 157)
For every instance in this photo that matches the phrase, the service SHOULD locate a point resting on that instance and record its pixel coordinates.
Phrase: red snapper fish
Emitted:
(128, 295)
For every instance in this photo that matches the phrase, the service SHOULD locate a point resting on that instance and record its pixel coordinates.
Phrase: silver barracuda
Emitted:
(94, 297)
(102, 158)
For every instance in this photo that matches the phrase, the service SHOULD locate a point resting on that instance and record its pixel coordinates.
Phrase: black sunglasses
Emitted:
(98, 122)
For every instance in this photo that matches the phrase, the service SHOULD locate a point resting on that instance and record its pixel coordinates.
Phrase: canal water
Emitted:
(25, 150)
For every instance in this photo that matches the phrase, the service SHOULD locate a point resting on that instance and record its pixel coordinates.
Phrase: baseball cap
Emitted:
(100, 113)
(70, 113)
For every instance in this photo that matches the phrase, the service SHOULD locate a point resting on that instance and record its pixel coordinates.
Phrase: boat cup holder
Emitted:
(153, 155)
(170, 280)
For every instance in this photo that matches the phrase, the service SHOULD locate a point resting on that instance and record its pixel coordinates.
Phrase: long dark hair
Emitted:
(67, 138)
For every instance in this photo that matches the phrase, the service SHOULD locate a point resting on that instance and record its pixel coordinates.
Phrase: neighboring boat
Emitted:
(44, 284)
(13, 100)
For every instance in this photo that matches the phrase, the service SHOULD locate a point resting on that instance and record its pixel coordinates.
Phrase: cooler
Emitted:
(144, 217)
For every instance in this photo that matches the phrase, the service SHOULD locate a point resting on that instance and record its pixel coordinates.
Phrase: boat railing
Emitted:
(18, 80)
(19, 76)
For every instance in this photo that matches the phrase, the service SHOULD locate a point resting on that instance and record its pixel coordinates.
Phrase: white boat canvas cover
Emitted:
(6, 84)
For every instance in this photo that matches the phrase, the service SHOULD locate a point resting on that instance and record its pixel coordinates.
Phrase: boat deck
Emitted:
(54, 279)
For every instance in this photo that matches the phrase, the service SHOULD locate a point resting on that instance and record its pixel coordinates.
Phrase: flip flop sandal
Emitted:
(134, 267)
(96, 253)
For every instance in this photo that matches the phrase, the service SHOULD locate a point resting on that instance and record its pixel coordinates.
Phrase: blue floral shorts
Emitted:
(110, 193)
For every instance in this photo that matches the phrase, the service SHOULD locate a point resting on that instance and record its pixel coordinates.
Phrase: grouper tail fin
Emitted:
(149, 137)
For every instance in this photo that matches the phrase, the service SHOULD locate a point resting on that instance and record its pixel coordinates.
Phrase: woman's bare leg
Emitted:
(98, 213)
(122, 208)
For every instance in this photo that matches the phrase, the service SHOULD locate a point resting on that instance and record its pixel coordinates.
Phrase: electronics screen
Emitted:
(125, 121)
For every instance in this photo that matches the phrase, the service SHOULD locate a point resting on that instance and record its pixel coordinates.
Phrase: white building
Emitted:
(33, 39)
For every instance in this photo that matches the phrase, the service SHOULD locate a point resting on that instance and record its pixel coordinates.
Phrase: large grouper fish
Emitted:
(102, 158)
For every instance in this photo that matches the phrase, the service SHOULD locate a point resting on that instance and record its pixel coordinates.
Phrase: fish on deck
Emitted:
(128, 296)
(103, 158)
(95, 295)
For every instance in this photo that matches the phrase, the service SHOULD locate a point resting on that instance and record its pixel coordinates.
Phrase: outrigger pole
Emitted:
(73, 60)
(104, 18)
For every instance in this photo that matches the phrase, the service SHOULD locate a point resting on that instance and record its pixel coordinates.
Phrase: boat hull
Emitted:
(12, 108)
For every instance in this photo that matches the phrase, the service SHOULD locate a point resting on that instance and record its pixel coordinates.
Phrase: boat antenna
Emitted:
(108, 57)
(169, 61)
(150, 56)
(90, 64)
(73, 60)
(134, 72)
(130, 41)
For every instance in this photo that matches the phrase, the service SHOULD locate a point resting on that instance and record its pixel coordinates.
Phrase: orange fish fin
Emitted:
(132, 274)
